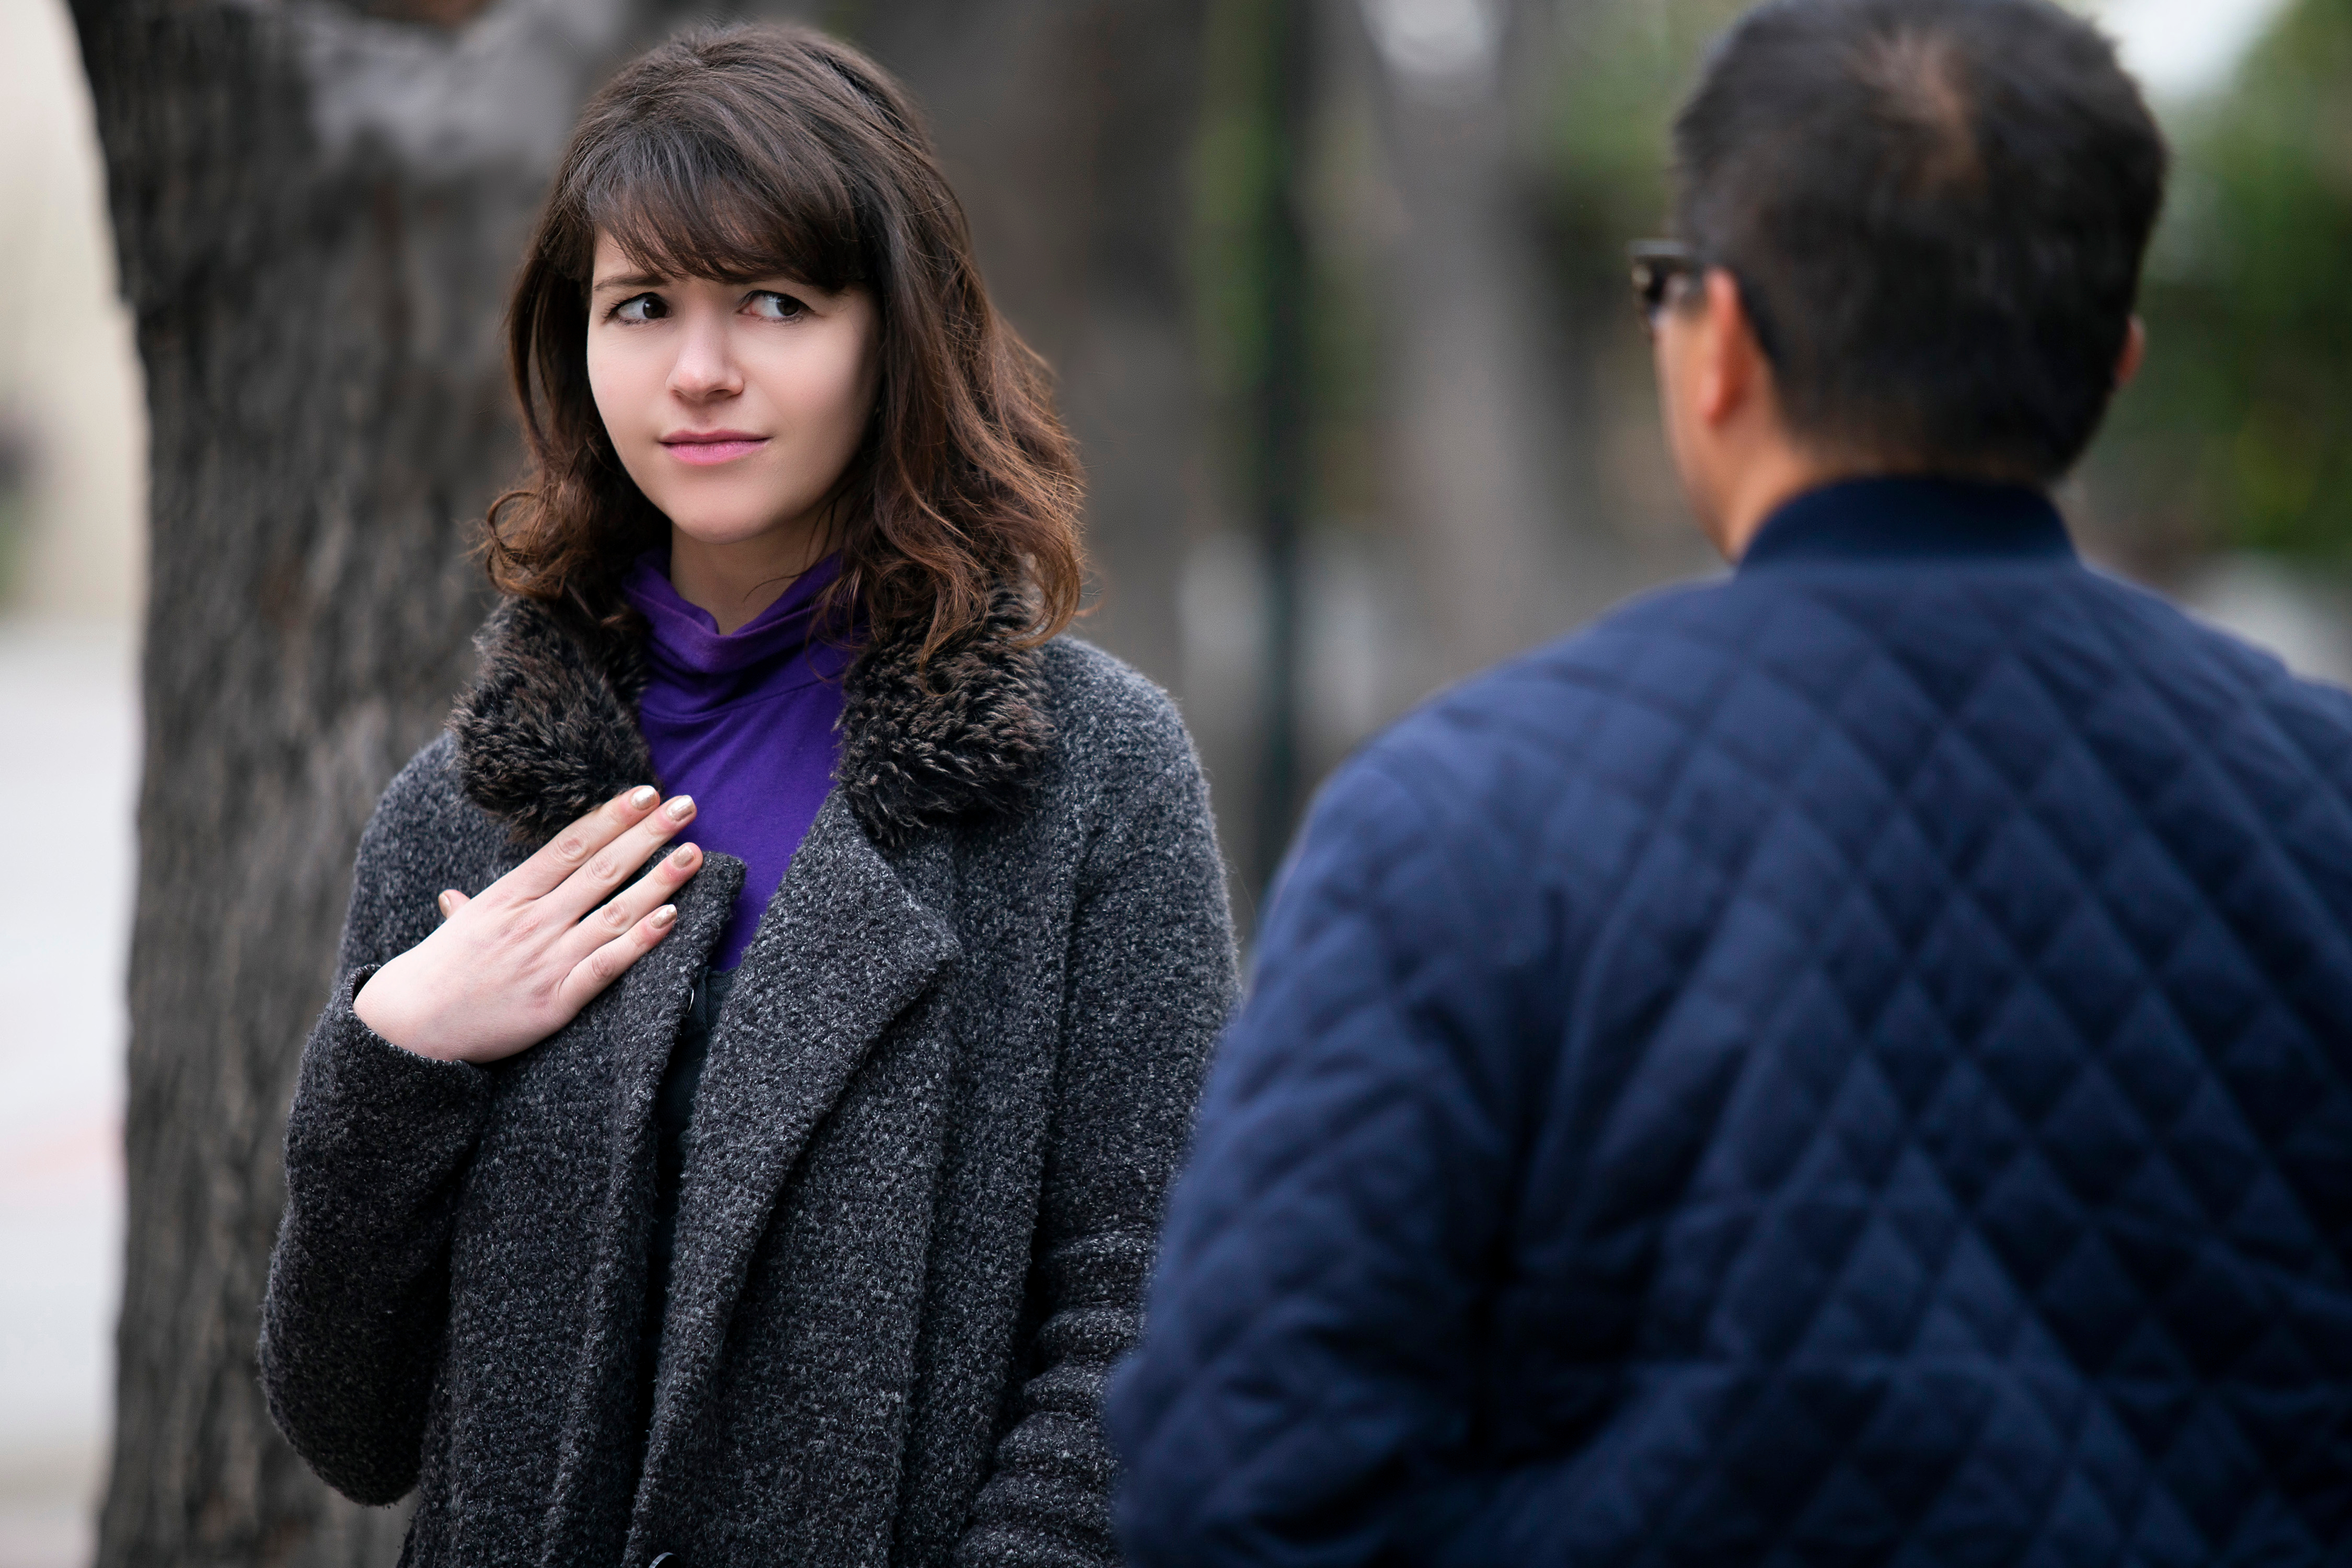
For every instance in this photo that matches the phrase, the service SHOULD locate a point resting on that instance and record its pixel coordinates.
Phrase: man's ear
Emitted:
(1733, 367)
(2135, 353)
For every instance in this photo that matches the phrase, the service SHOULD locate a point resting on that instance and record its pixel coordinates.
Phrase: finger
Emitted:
(633, 903)
(603, 873)
(450, 901)
(612, 960)
(573, 848)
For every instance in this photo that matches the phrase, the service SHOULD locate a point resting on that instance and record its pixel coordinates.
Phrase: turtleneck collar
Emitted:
(685, 646)
(1898, 519)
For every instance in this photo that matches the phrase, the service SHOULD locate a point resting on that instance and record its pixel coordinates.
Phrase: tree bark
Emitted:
(316, 213)
(316, 209)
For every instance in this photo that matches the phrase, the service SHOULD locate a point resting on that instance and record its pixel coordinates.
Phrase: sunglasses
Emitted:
(1656, 264)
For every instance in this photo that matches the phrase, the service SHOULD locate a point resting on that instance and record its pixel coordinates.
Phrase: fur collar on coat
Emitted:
(549, 731)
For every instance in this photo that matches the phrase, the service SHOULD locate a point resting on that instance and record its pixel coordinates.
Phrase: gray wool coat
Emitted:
(953, 1077)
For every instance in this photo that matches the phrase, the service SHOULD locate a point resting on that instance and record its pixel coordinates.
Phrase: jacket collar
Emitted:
(1910, 520)
(549, 731)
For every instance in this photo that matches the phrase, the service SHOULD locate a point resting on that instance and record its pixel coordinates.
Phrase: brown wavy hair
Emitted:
(754, 152)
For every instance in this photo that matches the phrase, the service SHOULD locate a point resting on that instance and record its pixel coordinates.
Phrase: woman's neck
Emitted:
(734, 581)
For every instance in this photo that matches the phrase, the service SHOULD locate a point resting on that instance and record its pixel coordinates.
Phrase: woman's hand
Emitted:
(513, 965)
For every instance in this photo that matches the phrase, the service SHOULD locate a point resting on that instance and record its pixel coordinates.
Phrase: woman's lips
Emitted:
(717, 447)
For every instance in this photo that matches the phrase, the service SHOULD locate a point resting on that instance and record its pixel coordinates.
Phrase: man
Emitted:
(1843, 1066)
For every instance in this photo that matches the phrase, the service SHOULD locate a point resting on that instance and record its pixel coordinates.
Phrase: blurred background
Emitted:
(1335, 293)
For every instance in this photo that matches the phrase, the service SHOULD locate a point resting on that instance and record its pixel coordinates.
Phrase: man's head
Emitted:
(1917, 228)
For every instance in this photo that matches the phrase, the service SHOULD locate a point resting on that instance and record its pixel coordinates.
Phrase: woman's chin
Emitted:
(729, 530)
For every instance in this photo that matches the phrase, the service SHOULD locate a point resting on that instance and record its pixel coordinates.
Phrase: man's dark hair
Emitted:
(1935, 211)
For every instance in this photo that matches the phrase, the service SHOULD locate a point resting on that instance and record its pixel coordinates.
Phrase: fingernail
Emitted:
(642, 798)
(681, 806)
(682, 855)
(442, 903)
(664, 915)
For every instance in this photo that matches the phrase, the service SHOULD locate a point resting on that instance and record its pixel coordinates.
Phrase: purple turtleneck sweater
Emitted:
(744, 723)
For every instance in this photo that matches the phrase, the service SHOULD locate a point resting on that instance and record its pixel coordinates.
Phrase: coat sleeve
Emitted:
(1307, 1371)
(1150, 983)
(376, 1142)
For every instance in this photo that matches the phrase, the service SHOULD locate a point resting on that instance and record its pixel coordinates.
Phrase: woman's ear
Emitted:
(2135, 353)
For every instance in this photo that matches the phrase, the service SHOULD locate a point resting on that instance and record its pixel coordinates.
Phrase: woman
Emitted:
(787, 1202)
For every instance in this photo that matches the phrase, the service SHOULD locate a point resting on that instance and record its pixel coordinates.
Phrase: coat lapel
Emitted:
(630, 1027)
(844, 949)
(927, 738)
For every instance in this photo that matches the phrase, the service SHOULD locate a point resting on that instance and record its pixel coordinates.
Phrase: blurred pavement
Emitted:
(69, 708)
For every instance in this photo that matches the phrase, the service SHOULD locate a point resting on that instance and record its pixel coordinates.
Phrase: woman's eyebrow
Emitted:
(629, 280)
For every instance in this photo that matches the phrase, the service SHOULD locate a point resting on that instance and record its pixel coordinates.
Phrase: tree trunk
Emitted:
(1491, 465)
(317, 210)
(316, 214)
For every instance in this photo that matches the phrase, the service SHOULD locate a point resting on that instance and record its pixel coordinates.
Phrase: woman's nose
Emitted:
(705, 365)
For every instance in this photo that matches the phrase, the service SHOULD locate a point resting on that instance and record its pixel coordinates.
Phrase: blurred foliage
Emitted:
(2240, 432)
(1246, 165)
(1240, 164)
(1624, 68)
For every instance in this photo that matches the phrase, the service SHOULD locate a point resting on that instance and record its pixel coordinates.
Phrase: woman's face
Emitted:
(735, 406)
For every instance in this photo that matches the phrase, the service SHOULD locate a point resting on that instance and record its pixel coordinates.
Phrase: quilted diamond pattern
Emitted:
(1848, 1066)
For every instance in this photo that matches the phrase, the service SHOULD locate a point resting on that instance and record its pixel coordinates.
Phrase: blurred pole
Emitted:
(1282, 417)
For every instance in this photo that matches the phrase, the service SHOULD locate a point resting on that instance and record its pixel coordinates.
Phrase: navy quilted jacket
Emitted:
(1847, 1065)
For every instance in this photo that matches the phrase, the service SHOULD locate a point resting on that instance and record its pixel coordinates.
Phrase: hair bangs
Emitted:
(684, 202)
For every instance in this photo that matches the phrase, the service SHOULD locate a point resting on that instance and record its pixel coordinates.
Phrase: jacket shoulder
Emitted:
(424, 835)
(1621, 691)
(1124, 771)
(427, 783)
(2257, 672)
(1109, 718)
(427, 803)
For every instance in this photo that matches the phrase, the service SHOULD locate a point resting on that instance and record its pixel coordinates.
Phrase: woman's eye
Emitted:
(771, 306)
(640, 308)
